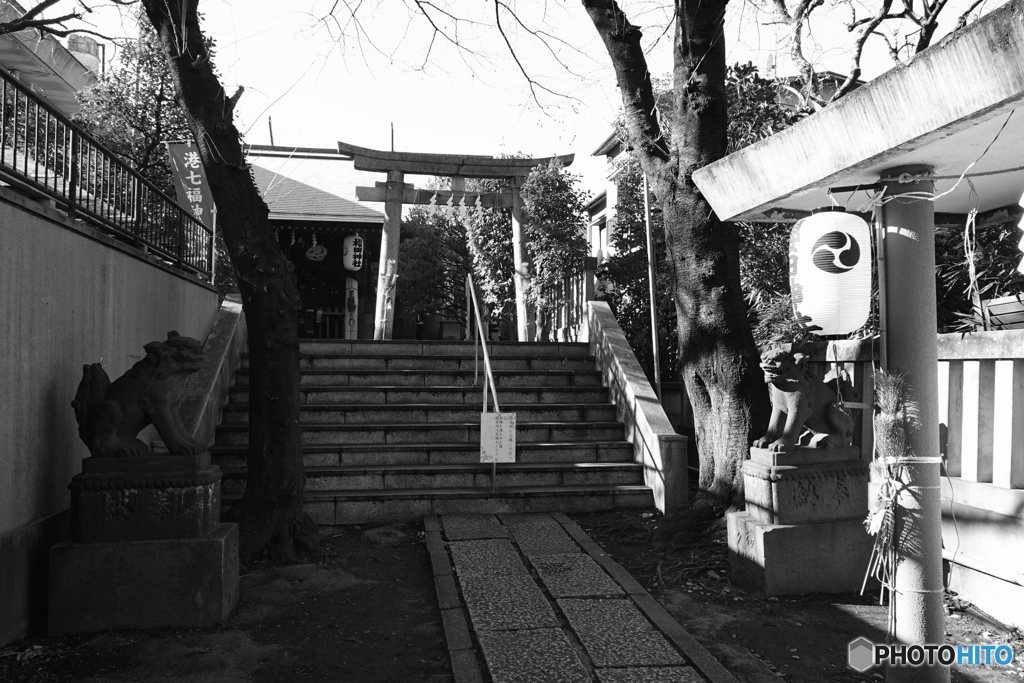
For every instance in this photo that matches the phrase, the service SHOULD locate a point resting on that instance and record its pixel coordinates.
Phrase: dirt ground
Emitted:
(801, 639)
(366, 612)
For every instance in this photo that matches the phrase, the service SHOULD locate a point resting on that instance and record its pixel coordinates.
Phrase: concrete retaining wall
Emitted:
(68, 296)
(655, 442)
(984, 525)
(207, 391)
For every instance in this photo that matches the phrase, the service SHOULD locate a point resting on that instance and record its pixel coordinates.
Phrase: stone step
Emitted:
(431, 413)
(442, 348)
(234, 457)
(401, 477)
(405, 505)
(431, 378)
(381, 395)
(464, 363)
(459, 432)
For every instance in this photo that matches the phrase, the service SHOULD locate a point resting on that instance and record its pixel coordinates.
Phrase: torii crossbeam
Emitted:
(396, 192)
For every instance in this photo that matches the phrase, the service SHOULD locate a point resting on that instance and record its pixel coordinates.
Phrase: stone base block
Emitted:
(805, 485)
(145, 498)
(776, 559)
(168, 583)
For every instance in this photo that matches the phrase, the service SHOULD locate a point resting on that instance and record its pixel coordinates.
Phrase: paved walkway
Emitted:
(530, 598)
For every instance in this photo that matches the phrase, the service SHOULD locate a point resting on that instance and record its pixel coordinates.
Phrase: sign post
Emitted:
(497, 441)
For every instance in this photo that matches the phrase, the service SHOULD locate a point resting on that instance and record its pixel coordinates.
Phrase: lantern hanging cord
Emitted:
(905, 178)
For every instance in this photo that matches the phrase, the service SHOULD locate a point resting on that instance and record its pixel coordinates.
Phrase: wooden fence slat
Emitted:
(954, 418)
(1008, 424)
(986, 414)
(969, 442)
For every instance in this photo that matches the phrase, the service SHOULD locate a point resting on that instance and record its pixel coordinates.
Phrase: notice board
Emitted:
(497, 437)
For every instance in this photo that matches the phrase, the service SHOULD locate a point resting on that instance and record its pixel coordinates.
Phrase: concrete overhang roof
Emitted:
(944, 109)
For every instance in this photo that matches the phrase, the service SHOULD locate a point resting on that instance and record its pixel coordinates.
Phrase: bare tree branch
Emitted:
(55, 26)
(858, 48)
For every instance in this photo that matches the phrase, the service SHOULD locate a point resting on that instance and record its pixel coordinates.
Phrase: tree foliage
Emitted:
(132, 108)
(555, 227)
(433, 259)
(489, 239)
(992, 250)
(554, 222)
(622, 278)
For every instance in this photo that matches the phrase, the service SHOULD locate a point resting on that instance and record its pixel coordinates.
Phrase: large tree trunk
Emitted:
(270, 511)
(716, 348)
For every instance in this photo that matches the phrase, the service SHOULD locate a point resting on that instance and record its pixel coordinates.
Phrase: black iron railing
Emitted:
(42, 153)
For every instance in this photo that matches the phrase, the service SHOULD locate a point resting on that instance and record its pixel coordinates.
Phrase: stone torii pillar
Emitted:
(395, 193)
(387, 273)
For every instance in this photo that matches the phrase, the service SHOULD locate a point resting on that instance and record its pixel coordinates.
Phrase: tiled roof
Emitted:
(290, 198)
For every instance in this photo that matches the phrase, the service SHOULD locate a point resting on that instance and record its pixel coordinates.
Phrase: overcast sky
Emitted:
(391, 68)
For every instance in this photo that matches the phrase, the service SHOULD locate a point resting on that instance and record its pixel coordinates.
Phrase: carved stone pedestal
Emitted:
(803, 529)
(147, 550)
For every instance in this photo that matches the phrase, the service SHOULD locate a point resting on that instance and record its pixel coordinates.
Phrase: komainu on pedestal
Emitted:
(805, 487)
(147, 548)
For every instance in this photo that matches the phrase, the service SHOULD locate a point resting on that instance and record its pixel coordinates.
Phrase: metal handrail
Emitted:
(43, 153)
(473, 305)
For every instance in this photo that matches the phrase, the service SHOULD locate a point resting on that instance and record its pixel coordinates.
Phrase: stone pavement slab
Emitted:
(506, 602)
(616, 633)
(546, 604)
(532, 656)
(471, 527)
(486, 557)
(574, 575)
(542, 539)
(514, 519)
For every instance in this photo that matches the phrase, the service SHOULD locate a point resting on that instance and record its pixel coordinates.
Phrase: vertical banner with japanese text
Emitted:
(190, 181)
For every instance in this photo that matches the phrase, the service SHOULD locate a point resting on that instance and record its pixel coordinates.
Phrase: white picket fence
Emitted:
(981, 401)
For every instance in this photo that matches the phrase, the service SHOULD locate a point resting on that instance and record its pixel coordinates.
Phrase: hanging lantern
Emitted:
(353, 258)
(830, 271)
(1020, 224)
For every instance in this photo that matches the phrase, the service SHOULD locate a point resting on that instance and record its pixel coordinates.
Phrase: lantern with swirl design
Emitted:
(830, 272)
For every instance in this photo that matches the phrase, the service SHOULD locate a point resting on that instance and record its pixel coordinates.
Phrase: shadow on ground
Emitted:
(365, 612)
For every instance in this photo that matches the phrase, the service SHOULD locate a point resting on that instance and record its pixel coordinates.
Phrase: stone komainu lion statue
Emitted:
(805, 410)
(110, 415)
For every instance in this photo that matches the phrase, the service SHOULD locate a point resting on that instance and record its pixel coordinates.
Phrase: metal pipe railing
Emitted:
(472, 305)
(44, 154)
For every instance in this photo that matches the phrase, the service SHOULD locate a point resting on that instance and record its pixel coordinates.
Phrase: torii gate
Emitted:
(396, 192)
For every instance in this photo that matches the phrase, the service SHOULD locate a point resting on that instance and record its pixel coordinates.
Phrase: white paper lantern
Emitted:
(353, 258)
(830, 272)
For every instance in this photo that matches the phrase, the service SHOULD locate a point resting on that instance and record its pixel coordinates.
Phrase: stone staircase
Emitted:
(391, 431)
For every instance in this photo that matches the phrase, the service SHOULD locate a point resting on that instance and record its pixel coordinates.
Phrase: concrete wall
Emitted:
(984, 526)
(68, 296)
(656, 445)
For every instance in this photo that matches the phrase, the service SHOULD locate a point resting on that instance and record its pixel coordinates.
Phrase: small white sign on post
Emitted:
(497, 437)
